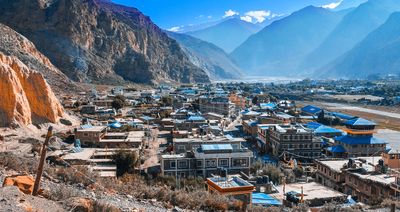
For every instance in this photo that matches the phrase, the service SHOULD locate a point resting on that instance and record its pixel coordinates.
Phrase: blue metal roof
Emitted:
(326, 129)
(270, 105)
(311, 109)
(115, 125)
(313, 125)
(196, 118)
(86, 126)
(213, 147)
(264, 199)
(359, 122)
(147, 118)
(336, 149)
(342, 115)
(352, 140)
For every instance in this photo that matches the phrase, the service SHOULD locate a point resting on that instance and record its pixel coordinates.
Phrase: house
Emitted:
(323, 131)
(183, 145)
(207, 160)
(359, 140)
(293, 141)
(98, 136)
(311, 110)
(364, 178)
(231, 186)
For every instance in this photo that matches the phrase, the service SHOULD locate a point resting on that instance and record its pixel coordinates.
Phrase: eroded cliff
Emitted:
(25, 96)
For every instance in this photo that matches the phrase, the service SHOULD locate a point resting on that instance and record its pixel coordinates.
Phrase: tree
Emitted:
(126, 161)
(117, 104)
(321, 116)
(167, 100)
(254, 100)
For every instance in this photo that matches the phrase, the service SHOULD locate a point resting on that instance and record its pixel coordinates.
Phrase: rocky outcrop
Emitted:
(99, 41)
(14, 44)
(25, 96)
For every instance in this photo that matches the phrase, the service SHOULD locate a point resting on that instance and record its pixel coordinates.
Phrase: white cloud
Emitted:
(230, 13)
(209, 17)
(175, 29)
(332, 5)
(259, 15)
(246, 18)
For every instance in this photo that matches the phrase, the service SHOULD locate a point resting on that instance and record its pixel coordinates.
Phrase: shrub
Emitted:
(126, 162)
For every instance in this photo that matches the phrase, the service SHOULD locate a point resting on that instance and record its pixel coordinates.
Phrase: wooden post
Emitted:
(41, 162)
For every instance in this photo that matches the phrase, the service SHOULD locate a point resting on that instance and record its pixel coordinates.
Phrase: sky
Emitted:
(175, 14)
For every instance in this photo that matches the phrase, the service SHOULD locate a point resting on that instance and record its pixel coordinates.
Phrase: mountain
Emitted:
(208, 57)
(99, 41)
(26, 98)
(377, 54)
(16, 45)
(228, 34)
(278, 48)
(353, 28)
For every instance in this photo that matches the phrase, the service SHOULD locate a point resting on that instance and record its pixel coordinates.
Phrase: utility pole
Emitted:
(41, 162)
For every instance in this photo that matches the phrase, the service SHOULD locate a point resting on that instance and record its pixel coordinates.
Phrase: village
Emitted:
(245, 144)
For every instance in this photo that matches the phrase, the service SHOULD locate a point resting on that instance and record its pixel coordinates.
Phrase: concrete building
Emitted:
(365, 178)
(359, 140)
(293, 141)
(207, 160)
(220, 105)
(183, 145)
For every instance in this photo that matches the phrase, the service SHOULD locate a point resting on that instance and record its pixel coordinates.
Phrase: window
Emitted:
(172, 164)
(199, 163)
(86, 134)
(181, 147)
(211, 163)
(223, 162)
(182, 164)
(240, 162)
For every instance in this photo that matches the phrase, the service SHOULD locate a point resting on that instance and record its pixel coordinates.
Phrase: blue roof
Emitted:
(264, 199)
(311, 109)
(196, 118)
(342, 115)
(326, 129)
(115, 125)
(359, 122)
(270, 105)
(352, 140)
(313, 125)
(213, 147)
(336, 149)
(147, 118)
(86, 126)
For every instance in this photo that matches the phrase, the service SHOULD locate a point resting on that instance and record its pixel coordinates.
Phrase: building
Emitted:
(231, 186)
(359, 140)
(183, 145)
(98, 136)
(364, 178)
(220, 105)
(311, 110)
(292, 141)
(323, 131)
(207, 160)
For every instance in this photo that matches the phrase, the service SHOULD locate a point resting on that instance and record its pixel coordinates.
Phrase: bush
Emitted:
(126, 162)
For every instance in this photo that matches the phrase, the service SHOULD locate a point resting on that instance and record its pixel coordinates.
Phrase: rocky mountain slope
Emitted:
(228, 34)
(352, 29)
(279, 48)
(25, 96)
(14, 44)
(98, 41)
(208, 57)
(377, 54)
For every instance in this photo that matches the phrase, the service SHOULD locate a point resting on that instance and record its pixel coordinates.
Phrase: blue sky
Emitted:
(168, 14)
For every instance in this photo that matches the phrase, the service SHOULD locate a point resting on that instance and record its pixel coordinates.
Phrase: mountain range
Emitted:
(227, 34)
(280, 47)
(100, 42)
(207, 56)
(317, 42)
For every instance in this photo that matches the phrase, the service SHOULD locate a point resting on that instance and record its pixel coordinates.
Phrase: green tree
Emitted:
(126, 162)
